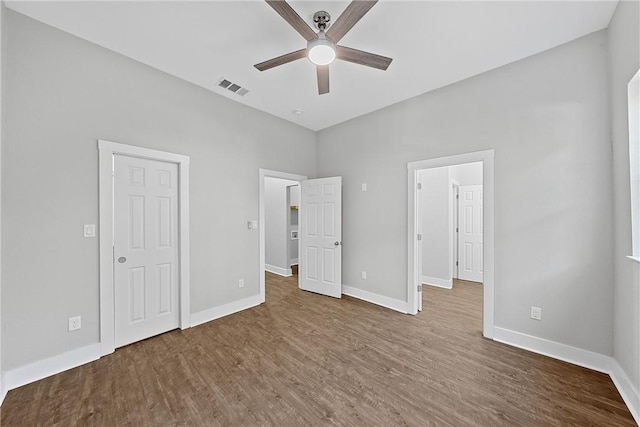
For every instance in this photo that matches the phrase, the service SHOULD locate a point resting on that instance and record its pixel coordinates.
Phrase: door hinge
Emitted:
(419, 186)
(419, 236)
(457, 196)
(457, 230)
(419, 288)
(456, 263)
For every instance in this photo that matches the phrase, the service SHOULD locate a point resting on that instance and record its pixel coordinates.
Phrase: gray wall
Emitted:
(63, 94)
(547, 119)
(624, 48)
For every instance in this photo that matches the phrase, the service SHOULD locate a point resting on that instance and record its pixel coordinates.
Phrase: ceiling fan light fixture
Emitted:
(321, 50)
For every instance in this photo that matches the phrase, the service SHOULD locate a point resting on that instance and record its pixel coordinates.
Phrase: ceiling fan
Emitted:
(322, 47)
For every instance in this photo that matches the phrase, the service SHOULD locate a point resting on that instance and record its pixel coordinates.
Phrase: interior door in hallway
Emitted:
(470, 246)
(146, 276)
(320, 236)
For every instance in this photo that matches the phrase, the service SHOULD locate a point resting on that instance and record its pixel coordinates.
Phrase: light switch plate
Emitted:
(89, 230)
(536, 313)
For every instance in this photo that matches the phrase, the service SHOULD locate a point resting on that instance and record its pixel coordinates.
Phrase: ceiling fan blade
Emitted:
(323, 79)
(351, 15)
(284, 59)
(290, 15)
(363, 58)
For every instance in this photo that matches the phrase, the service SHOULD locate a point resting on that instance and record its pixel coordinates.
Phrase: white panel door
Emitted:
(470, 250)
(146, 254)
(320, 236)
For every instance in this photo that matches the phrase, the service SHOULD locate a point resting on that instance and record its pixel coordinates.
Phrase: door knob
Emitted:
(337, 243)
(122, 260)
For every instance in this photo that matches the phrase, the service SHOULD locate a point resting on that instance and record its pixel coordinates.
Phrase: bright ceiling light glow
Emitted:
(322, 51)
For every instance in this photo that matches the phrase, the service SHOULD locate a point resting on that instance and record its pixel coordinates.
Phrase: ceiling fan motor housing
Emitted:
(321, 19)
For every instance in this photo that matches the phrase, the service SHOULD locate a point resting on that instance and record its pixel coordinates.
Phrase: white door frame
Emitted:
(106, 151)
(262, 174)
(487, 158)
(455, 223)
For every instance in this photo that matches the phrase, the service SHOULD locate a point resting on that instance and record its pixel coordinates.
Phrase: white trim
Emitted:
(577, 356)
(413, 264)
(453, 236)
(392, 303)
(3, 389)
(634, 258)
(106, 150)
(437, 282)
(286, 272)
(3, 38)
(633, 112)
(262, 174)
(50, 366)
(210, 314)
(626, 389)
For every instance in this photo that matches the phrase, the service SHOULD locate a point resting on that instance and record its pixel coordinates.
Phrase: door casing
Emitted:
(106, 151)
(455, 187)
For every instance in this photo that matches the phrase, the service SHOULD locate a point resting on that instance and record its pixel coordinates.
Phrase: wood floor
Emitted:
(306, 360)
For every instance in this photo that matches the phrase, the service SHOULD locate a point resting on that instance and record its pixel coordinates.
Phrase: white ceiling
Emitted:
(432, 43)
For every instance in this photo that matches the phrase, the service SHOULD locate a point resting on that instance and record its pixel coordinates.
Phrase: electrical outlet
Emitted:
(75, 323)
(241, 283)
(363, 275)
(536, 313)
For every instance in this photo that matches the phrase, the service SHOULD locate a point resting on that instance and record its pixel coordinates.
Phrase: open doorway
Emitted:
(435, 263)
(450, 213)
(278, 202)
(281, 225)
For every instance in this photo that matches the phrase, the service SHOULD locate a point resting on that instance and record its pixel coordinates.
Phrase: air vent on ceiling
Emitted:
(233, 87)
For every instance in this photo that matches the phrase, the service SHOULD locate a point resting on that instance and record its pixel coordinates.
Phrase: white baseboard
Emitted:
(44, 368)
(577, 356)
(377, 299)
(434, 281)
(35, 371)
(210, 314)
(626, 389)
(286, 272)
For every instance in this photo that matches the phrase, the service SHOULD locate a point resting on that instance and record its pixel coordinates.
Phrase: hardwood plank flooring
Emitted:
(303, 359)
